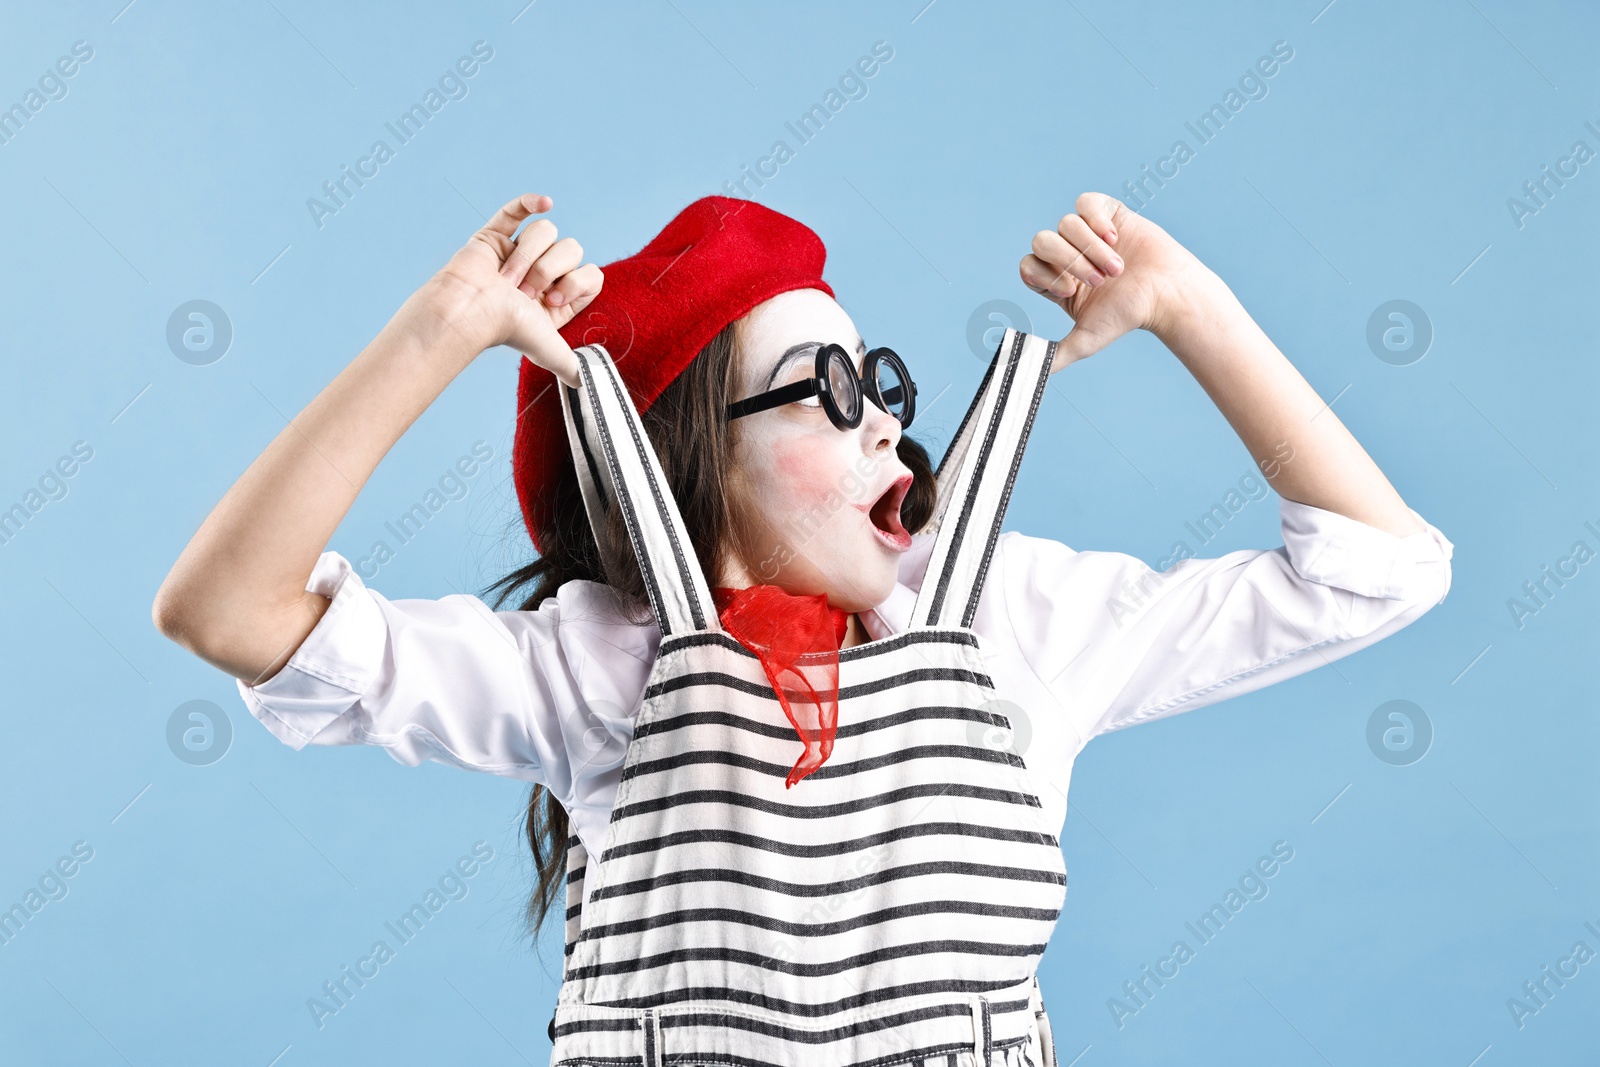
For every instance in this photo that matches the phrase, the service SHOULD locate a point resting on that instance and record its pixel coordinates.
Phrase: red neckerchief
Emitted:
(779, 627)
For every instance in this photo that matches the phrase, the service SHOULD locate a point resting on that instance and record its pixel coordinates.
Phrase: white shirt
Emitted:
(1085, 642)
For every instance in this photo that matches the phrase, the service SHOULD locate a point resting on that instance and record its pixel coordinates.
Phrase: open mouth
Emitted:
(884, 513)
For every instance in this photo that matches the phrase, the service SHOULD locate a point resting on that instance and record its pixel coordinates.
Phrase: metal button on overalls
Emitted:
(892, 907)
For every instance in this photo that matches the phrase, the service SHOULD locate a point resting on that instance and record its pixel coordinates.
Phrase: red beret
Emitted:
(656, 310)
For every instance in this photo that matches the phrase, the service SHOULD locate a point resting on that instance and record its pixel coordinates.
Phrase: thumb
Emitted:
(557, 357)
(1082, 342)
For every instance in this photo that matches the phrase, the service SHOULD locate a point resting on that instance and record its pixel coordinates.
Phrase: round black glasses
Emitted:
(883, 378)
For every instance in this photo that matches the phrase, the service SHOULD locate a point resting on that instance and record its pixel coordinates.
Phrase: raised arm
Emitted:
(236, 595)
(1152, 282)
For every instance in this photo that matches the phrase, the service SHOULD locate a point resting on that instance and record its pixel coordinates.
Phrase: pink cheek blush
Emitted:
(805, 474)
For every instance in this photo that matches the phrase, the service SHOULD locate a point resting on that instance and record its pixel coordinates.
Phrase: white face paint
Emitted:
(804, 489)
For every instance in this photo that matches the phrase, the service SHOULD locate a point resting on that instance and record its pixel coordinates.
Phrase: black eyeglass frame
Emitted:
(822, 386)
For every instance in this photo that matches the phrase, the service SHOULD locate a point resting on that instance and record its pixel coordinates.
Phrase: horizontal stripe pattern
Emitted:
(888, 910)
(915, 862)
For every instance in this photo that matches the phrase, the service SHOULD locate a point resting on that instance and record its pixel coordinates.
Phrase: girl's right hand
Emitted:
(519, 292)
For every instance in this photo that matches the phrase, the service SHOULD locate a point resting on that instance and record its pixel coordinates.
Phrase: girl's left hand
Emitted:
(1112, 270)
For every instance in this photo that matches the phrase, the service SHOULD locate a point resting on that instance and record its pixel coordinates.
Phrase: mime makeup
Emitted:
(802, 485)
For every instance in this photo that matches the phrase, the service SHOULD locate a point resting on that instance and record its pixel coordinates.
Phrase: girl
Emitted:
(769, 680)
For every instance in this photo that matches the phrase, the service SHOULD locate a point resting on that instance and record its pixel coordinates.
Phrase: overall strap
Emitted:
(975, 479)
(617, 467)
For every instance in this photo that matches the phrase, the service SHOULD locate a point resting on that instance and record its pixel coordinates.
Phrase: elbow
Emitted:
(1416, 587)
(176, 609)
(1429, 585)
(242, 653)
(168, 614)
(191, 621)
(1432, 574)
(178, 617)
(1444, 582)
(1373, 618)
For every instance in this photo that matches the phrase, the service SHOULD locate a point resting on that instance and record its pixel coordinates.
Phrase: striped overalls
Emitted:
(892, 907)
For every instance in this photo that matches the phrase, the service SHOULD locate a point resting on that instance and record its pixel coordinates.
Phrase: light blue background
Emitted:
(1377, 167)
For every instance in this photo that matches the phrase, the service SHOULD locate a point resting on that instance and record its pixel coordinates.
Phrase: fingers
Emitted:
(550, 264)
(1047, 279)
(539, 264)
(536, 239)
(1099, 211)
(1059, 254)
(1076, 230)
(508, 218)
(1073, 247)
(573, 292)
(1072, 258)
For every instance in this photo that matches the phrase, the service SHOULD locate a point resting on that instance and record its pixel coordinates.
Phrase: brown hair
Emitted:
(693, 442)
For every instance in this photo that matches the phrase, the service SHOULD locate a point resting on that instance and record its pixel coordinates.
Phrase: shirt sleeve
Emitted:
(1119, 643)
(509, 692)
